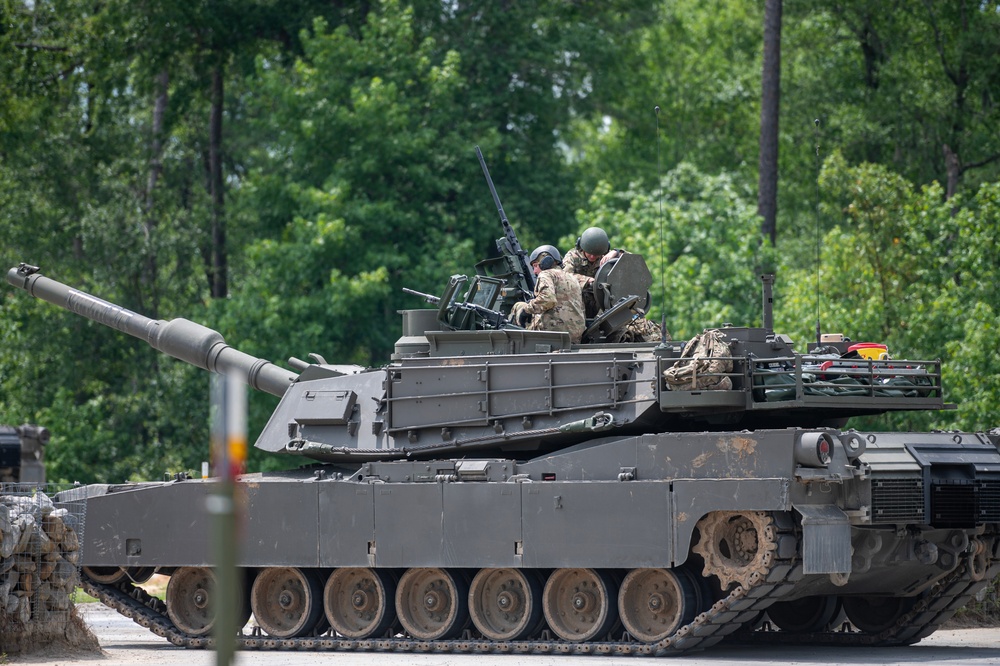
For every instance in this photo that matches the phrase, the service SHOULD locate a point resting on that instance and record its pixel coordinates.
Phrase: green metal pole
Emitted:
(229, 457)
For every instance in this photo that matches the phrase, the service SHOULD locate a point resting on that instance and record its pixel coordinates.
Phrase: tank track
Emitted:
(741, 606)
(940, 604)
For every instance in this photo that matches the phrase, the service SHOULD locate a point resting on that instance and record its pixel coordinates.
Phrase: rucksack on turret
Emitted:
(704, 359)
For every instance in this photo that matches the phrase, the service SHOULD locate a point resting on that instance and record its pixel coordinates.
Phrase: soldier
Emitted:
(584, 260)
(558, 303)
(593, 250)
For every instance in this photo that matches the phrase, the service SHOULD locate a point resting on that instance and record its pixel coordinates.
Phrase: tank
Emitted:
(22, 453)
(495, 489)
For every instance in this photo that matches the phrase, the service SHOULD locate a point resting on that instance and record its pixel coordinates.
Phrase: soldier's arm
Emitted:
(545, 294)
(575, 264)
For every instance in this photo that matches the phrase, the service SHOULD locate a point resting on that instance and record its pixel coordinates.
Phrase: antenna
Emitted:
(819, 334)
(659, 200)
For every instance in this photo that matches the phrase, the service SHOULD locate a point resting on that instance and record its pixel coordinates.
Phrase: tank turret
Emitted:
(22, 452)
(521, 390)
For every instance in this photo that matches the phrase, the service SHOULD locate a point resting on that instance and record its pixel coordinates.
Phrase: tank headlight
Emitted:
(814, 449)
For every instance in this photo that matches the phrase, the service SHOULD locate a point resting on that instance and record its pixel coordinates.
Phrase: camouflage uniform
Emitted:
(576, 263)
(557, 305)
(639, 329)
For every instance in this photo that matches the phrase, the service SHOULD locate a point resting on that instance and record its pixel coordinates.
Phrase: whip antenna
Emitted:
(659, 200)
(819, 334)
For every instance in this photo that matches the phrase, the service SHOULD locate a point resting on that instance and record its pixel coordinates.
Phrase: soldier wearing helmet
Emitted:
(558, 303)
(592, 249)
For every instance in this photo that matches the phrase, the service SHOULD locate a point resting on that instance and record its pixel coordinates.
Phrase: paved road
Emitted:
(127, 644)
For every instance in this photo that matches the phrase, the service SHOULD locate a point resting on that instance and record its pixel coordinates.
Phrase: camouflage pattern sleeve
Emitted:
(557, 305)
(577, 264)
(545, 294)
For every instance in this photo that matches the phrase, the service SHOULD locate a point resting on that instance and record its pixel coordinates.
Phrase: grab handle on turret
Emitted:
(181, 338)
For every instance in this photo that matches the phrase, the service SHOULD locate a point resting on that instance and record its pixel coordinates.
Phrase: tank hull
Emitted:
(624, 508)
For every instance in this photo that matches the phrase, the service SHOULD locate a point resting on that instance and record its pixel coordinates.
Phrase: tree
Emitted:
(893, 83)
(700, 237)
(700, 62)
(767, 196)
(98, 160)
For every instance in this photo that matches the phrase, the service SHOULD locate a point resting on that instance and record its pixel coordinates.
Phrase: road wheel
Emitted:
(286, 601)
(505, 604)
(875, 614)
(191, 600)
(655, 603)
(359, 602)
(805, 615)
(433, 604)
(579, 604)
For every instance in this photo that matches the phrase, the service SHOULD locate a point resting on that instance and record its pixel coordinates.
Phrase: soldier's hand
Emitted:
(610, 256)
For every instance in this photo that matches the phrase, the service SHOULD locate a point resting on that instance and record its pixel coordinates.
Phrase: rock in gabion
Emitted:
(39, 554)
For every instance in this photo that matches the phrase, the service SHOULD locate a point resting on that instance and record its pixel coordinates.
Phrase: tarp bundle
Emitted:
(774, 386)
(703, 364)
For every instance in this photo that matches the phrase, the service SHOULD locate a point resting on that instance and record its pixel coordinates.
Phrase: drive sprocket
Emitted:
(737, 546)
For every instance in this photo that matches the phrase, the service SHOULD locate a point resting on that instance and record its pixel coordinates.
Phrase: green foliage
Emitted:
(700, 238)
(892, 83)
(348, 134)
(699, 62)
(367, 164)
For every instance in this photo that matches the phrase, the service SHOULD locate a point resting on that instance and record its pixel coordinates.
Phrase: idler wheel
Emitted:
(105, 575)
(505, 604)
(874, 614)
(286, 601)
(655, 603)
(737, 547)
(805, 615)
(579, 604)
(359, 602)
(191, 600)
(433, 604)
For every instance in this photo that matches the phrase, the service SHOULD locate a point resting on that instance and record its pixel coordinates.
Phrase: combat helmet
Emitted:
(594, 240)
(549, 250)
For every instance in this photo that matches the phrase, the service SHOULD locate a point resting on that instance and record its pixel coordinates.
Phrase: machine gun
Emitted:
(508, 246)
(477, 305)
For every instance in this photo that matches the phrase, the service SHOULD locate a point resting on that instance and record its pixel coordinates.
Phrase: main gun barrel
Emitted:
(181, 338)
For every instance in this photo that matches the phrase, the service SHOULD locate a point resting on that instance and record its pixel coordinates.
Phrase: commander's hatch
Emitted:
(620, 285)
(621, 278)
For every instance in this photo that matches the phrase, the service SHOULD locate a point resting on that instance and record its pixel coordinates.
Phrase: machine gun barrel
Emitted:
(430, 298)
(515, 245)
(181, 338)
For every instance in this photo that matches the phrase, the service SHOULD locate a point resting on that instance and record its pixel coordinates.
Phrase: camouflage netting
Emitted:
(39, 570)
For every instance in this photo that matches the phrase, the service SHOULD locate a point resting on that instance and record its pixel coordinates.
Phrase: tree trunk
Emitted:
(156, 145)
(952, 171)
(151, 306)
(218, 269)
(767, 197)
